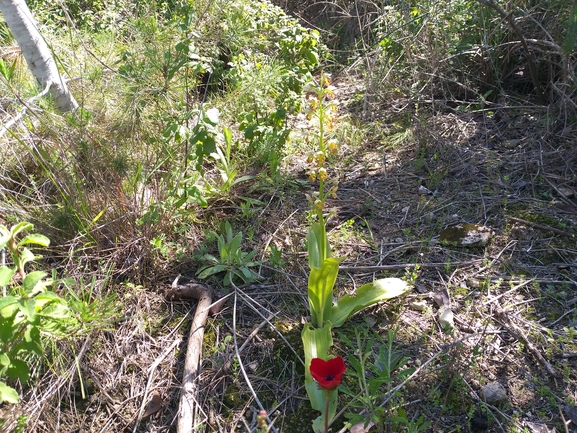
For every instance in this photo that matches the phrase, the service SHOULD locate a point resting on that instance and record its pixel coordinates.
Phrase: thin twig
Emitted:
(22, 112)
(151, 370)
(241, 365)
(404, 266)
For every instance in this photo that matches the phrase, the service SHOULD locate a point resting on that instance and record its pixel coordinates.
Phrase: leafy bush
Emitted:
(30, 310)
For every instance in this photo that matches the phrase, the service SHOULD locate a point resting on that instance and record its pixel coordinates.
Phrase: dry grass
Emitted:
(511, 169)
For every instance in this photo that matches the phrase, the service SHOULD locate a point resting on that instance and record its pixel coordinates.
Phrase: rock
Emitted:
(494, 393)
(446, 318)
(421, 306)
(425, 191)
(466, 235)
(571, 413)
(442, 298)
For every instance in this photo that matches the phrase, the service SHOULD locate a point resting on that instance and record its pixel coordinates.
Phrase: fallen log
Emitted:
(188, 394)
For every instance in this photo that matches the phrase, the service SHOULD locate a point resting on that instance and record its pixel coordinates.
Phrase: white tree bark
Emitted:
(36, 52)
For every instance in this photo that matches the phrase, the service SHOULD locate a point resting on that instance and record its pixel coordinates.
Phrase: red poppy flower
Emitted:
(329, 373)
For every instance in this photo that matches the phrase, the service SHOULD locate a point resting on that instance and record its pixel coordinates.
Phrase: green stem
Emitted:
(327, 413)
(320, 96)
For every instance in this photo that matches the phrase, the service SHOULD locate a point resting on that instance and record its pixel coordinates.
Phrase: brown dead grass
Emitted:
(483, 167)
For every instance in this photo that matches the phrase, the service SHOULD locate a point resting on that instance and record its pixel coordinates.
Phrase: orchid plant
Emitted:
(326, 315)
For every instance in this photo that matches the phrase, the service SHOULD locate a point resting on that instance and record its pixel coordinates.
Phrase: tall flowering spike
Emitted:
(328, 374)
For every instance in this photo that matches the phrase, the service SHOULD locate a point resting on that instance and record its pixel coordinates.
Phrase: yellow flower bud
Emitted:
(320, 158)
(332, 146)
(312, 176)
(310, 158)
(323, 175)
(319, 205)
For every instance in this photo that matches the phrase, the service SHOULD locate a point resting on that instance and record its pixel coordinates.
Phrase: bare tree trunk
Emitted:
(36, 52)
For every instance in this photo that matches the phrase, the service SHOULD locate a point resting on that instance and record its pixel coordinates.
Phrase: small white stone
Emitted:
(446, 317)
(494, 392)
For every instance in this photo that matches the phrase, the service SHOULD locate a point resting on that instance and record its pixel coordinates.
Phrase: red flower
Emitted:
(329, 373)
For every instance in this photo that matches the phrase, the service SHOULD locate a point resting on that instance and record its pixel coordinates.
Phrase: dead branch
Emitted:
(518, 333)
(186, 413)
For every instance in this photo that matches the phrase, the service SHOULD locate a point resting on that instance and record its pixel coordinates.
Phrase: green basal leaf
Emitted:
(8, 394)
(320, 290)
(227, 279)
(227, 136)
(366, 295)
(234, 246)
(318, 245)
(242, 179)
(247, 274)
(6, 275)
(316, 343)
(210, 258)
(36, 239)
(249, 256)
(211, 270)
(4, 359)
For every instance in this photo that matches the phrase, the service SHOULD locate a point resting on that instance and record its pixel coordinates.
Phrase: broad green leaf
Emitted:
(234, 246)
(36, 239)
(33, 281)
(47, 297)
(55, 311)
(21, 227)
(6, 301)
(227, 136)
(318, 245)
(4, 359)
(18, 370)
(316, 344)
(320, 290)
(7, 394)
(210, 258)
(211, 270)
(5, 236)
(28, 308)
(247, 274)
(26, 256)
(6, 275)
(366, 295)
(211, 115)
(242, 179)
(249, 256)
(227, 281)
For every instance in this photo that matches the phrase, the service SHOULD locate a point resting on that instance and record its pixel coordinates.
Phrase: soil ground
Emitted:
(407, 177)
